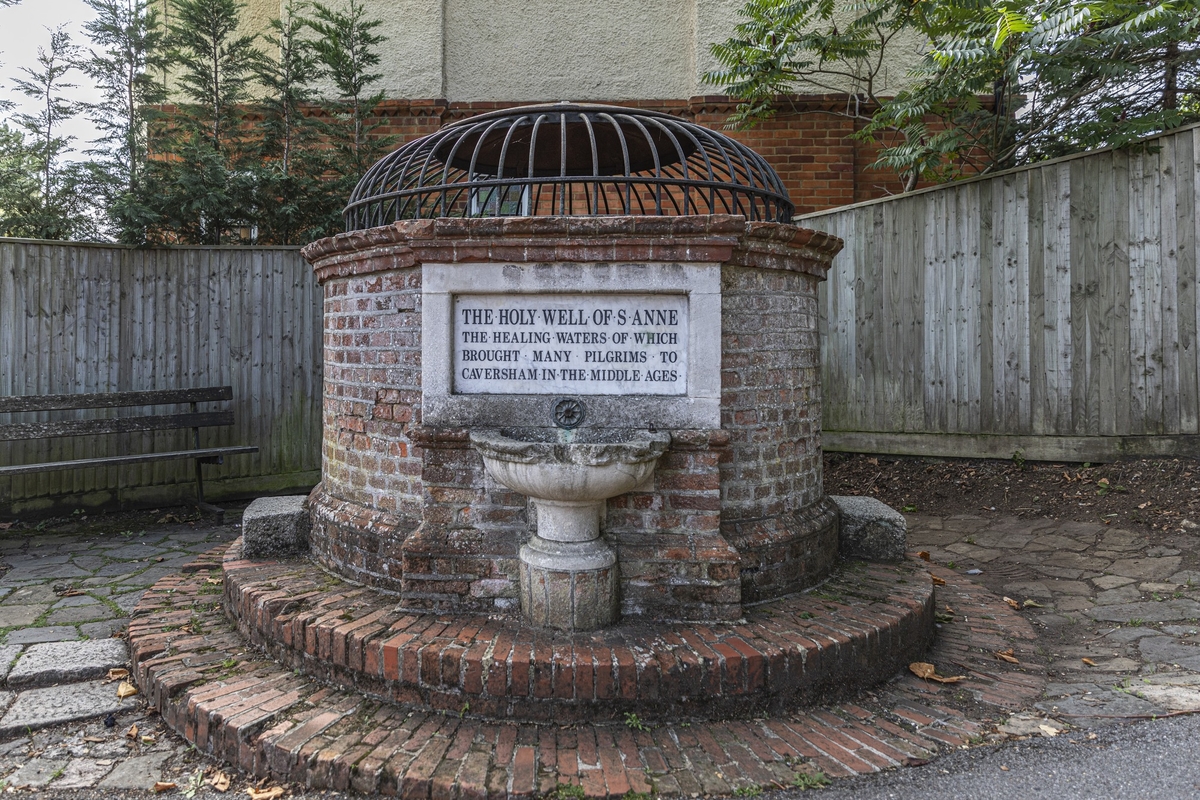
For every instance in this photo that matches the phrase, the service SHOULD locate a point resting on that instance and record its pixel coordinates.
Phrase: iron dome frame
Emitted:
(568, 159)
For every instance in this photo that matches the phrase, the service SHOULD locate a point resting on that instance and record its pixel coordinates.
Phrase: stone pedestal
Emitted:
(569, 586)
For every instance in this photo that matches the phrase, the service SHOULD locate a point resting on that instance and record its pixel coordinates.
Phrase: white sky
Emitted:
(23, 30)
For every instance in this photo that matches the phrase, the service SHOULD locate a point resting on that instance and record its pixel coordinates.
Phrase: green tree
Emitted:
(346, 46)
(126, 69)
(20, 192)
(294, 203)
(59, 210)
(205, 179)
(1000, 84)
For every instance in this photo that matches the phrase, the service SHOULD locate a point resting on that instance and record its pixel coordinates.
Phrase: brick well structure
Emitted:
(735, 513)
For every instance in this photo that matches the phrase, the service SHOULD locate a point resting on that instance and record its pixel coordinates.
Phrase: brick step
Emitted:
(862, 626)
(222, 695)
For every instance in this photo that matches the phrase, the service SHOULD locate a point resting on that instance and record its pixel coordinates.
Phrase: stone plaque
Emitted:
(582, 344)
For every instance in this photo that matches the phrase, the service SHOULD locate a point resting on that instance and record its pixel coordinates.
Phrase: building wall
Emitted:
(550, 50)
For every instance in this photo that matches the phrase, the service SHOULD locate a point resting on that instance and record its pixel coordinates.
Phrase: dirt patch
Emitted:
(1144, 495)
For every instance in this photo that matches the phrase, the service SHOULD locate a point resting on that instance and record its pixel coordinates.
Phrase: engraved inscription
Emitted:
(570, 344)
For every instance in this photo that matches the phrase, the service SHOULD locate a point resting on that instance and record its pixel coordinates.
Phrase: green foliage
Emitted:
(633, 722)
(810, 780)
(126, 69)
(1000, 84)
(57, 208)
(346, 46)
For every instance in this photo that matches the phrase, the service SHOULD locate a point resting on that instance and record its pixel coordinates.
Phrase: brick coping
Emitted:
(231, 702)
(861, 626)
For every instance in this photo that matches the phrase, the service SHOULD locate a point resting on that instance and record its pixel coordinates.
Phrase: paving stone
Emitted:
(1185, 577)
(1159, 588)
(83, 773)
(1172, 698)
(1181, 630)
(1068, 689)
(1056, 542)
(27, 574)
(116, 570)
(1098, 708)
(1059, 572)
(10, 747)
(1169, 650)
(1149, 611)
(73, 616)
(60, 662)
(138, 552)
(1028, 589)
(1071, 603)
(1111, 581)
(37, 635)
(969, 551)
(1130, 634)
(1146, 569)
(1112, 597)
(1077, 561)
(31, 595)
(88, 562)
(19, 616)
(128, 600)
(140, 772)
(8, 654)
(279, 526)
(37, 772)
(103, 629)
(1161, 550)
(40, 708)
(77, 600)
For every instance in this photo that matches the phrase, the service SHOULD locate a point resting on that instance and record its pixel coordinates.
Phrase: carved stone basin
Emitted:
(568, 574)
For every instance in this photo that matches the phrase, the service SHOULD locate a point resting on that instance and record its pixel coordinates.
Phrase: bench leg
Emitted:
(200, 504)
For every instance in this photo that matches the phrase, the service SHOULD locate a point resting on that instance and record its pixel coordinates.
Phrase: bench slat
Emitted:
(70, 402)
(84, 463)
(85, 427)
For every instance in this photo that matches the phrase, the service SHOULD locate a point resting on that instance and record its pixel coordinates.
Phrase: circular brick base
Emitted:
(864, 625)
(222, 695)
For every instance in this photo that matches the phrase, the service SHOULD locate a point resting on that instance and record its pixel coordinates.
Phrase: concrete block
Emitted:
(275, 526)
(870, 529)
(62, 662)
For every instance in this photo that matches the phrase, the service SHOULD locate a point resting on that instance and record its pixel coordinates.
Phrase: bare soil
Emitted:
(1143, 495)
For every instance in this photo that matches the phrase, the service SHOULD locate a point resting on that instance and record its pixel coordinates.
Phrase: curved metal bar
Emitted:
(706, 169)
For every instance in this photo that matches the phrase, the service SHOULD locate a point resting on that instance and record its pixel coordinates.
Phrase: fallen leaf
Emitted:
(72, 593)
(1089, 662)
(1004, 769)
(1007, 655)
(94, 739)
(1013, 603)
(214, 581)
(5, 526)
(118, 673)
(874, 462)
(1143, 505)
(936, 580)
(1047, 730)
(148, 740)
(168, 518)
(160, 559)
(1033, 604)
(163, 786)
(924, 555)
(220, 781)
(271, 793)
(929, 673)
(1102, 482)
(126, 689)
(132, 732)
(1092, 736)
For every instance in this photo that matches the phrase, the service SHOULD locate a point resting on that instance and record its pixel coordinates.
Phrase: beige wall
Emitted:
(549, 50)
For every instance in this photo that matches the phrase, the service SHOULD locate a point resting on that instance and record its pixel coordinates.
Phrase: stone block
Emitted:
(870, 529)
(275, 526)
(61, 662)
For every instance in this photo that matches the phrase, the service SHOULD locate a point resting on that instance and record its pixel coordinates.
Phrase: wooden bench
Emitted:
(193, 418)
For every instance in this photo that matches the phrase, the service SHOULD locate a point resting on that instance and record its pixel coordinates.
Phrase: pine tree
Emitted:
(295, 203)
(60, 210)
(205, 182)
(345, 43)
(126, 69)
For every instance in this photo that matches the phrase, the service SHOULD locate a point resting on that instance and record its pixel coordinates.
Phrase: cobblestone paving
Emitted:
(1118, 615)
(1128, 605)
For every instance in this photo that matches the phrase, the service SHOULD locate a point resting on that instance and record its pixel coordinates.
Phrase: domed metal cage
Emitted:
(566, 159)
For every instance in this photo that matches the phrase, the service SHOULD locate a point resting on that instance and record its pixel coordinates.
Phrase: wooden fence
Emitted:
(97, 318)
(1050, 310)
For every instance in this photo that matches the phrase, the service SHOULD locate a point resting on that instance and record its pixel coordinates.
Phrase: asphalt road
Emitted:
(1157, 759)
